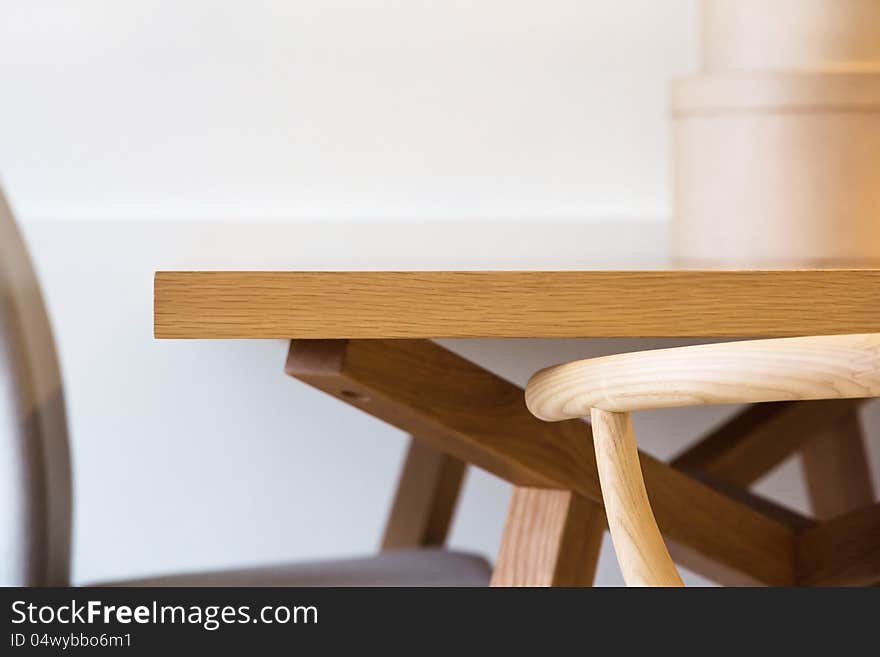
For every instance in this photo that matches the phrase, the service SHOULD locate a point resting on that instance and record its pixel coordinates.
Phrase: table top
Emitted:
(473, 304)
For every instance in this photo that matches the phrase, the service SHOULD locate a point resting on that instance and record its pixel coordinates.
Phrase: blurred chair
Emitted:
(35, 470)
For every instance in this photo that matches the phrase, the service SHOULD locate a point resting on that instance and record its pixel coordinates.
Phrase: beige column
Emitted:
(777, 139)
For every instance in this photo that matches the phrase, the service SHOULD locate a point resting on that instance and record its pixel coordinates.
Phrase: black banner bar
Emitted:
(332, 621)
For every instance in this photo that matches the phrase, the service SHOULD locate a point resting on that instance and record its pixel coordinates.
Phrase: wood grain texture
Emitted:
(482, 419)
(426, 496)
(551, 538)
(815, 367)
(836, 469)
(641, 552)
(844, 551)
(760, 437)
(515, 304)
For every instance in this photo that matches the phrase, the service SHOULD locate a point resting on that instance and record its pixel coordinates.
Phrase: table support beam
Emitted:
(761, 437)
(844, 551)
(482, 419)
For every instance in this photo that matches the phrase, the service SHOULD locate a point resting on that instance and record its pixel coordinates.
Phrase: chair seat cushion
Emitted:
(417, 567)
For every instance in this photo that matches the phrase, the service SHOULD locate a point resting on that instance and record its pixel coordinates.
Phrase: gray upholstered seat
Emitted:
(419, 567)
(35, 473)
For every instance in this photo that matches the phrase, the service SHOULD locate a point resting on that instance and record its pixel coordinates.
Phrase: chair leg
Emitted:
(641, 552)
(551, 538)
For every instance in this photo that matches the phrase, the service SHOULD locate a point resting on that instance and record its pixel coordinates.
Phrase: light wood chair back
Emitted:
(608, 389)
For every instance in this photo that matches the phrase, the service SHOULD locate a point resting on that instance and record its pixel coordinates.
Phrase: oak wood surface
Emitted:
(424, 504)
(760, 437)
(480, 418)
(641, 552)
(551, 538)
(248, 304)
(837, 470)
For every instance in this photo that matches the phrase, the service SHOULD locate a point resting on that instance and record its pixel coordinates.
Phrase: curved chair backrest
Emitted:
(608, 389)
(750, 371)
(35, 481)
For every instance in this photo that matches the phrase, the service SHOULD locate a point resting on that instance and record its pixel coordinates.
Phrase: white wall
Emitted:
(143, 135)
(354, 109)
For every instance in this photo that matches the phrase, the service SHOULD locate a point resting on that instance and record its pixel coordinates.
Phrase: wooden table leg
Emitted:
(424, 504)
(836, 469)
(551, 538)
(464, 410)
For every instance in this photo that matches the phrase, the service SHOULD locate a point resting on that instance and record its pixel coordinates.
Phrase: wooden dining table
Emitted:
(366, 338)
